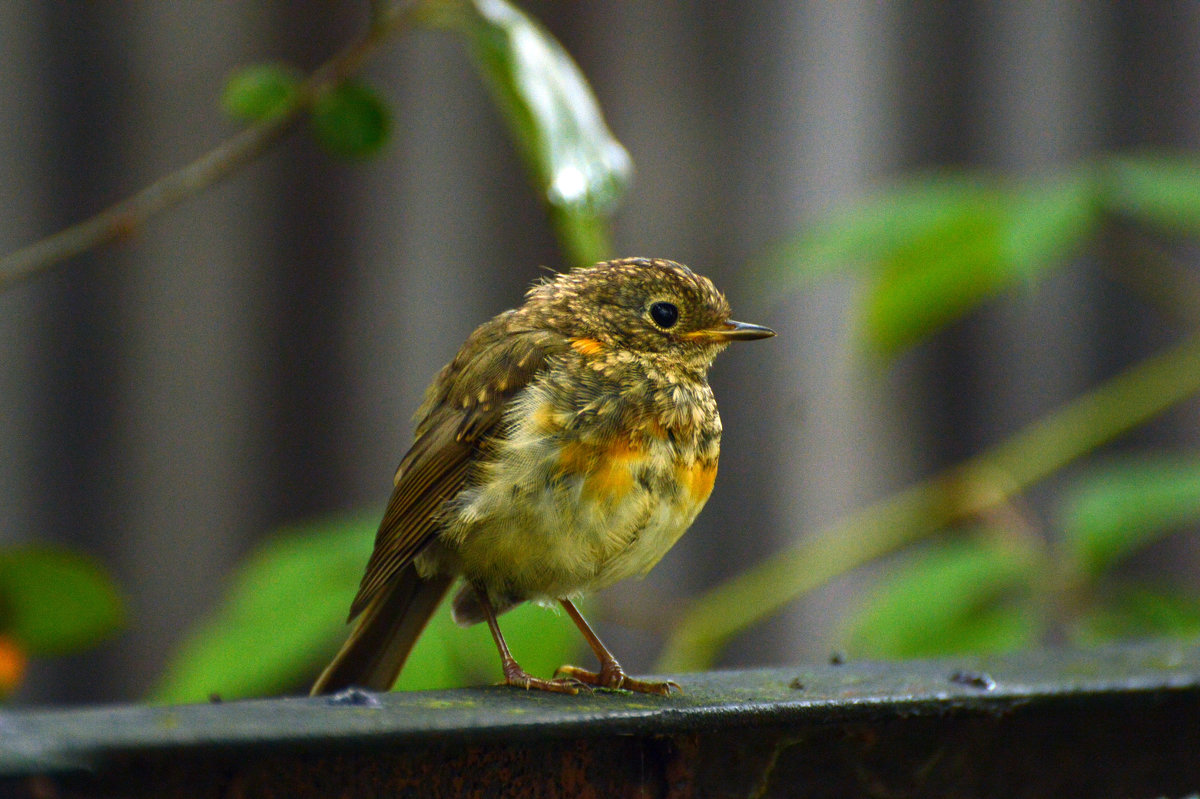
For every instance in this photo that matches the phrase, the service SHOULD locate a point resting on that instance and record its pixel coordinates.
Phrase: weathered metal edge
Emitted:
(55, 741)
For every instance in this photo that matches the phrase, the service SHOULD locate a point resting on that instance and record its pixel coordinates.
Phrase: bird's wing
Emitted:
(462, 410)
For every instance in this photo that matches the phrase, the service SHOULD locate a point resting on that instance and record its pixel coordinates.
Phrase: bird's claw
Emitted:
(615, 678)
(519, 678)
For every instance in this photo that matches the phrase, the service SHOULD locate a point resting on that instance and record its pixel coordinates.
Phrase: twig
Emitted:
(127, 216)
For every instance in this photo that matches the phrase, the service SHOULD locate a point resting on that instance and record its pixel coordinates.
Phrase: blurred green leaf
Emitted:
(1048, 221)
(934, 246)
(868, 231)
(260, 91)
(1158, 188)
(552, 114)
(350, 120)
(433, 664)
(449, 656)
(1003, 627)
(283, 614)
(957, 597)
(1118, 508)
(55, 601)
(936, 276)
(1134, 611)
(983, 242)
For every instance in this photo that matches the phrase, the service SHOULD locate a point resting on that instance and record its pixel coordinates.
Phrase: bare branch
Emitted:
(129, 215)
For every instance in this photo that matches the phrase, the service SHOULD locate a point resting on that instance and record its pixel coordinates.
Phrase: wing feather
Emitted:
(461, 412)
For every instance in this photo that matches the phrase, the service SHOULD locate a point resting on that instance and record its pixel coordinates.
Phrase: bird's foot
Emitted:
(611, 675)
(517, 677)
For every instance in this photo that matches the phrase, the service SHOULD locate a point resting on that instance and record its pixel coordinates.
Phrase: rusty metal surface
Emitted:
(1090, 723)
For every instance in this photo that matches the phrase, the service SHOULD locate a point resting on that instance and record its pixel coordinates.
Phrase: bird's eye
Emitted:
(664, 314)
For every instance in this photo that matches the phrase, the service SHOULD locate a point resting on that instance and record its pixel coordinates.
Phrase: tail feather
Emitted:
(385, 633)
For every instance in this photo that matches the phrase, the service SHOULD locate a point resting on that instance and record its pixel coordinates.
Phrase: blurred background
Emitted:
(251, 358)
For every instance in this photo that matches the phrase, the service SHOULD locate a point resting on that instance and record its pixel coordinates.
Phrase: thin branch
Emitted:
(128, 216)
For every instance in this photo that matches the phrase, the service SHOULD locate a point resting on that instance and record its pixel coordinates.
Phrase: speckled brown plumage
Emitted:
(567, 446)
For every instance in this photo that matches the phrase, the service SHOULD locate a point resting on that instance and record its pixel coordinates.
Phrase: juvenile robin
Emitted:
(567, 446)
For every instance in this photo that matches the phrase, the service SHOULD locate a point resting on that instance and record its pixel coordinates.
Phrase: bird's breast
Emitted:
(574, 498)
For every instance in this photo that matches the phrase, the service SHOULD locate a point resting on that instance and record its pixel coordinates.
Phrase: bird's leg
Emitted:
(611, 675)
(513, 673)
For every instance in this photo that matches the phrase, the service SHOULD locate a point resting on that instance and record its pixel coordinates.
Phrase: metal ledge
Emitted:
(1127, 716)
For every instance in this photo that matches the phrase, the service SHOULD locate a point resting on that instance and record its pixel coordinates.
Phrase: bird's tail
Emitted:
(384, 635)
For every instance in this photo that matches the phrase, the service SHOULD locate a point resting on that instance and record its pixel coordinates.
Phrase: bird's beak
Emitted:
(731, 331)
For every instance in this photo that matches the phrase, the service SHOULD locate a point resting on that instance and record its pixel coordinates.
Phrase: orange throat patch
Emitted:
(586, 346)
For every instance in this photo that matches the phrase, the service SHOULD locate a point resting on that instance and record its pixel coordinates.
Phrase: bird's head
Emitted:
(646, 305)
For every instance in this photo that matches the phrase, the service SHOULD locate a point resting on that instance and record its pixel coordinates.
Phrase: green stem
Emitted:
(983, 482)
(584, 238)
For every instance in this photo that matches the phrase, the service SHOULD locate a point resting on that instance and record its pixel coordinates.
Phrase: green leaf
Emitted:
(1048, 221)
(958, 597)
(283, 615)
(449, 656)
(1158, 188)
(261, 91)
(578, 165)
(867, 232)
(935, 277)
(933, 247)
(350, 120)
(55, 601)
(1114, 510)
(1134, 611)
(982, 244)
(1004, 627)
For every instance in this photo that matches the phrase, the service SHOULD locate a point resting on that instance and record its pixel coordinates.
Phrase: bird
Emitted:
(567, 446)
